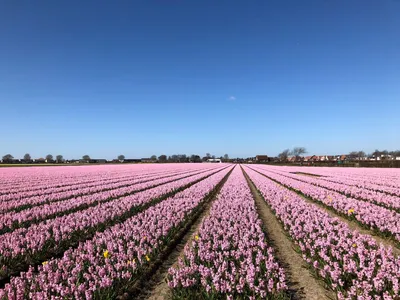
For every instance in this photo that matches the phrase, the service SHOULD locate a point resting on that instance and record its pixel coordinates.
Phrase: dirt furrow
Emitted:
(353, 225)
(301, 283)
(156, 287)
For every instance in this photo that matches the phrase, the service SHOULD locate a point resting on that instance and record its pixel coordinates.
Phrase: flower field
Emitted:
(105, 232)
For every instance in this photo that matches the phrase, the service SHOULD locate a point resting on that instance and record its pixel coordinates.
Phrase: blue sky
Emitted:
(169, 76)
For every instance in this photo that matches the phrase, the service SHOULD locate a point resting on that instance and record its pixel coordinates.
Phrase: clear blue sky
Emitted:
(169, 76)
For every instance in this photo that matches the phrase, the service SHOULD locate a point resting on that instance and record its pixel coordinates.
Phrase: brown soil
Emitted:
(353, 225)
(301, 282)
(156, 287)
(307, 174)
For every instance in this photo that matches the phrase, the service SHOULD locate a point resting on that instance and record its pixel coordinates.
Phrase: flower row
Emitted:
(16, 219)
(379, 198)
(109, 191)
(350, 263)
(38, 242)
(378, 218)
(106, 265)
(75, 188)
(229, 256)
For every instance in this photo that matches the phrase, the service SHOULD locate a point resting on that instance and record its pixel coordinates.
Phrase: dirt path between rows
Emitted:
(156, 288)
(301, 283)
(307, 174)
(353, 225)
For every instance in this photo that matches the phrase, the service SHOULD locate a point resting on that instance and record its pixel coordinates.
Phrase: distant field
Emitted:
(242, 231)
(30, 165)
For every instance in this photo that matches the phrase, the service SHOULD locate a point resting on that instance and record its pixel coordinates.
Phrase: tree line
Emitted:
(48, 158)
(298, 151)
(376, 153)
(162, 158)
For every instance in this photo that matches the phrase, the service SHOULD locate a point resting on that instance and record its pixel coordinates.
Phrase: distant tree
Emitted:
(213, 156)
(195, 158)
(395, 153)
(49, 157)
(283, 156)
(182, 158)
(361, 155)
(174, 158)
(86, 157)
(208, 155)
(376, 153)
(121, 157)
(226, 157)
(298, 151)
(153, 157)
(8, 158)
(59, 158)
(162, 158)
(353, 155)
(27, 157)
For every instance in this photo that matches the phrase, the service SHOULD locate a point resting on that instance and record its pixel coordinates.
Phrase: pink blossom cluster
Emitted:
(365, 183)
(229, 256)
(376, 197)
(377, 176)
(15, 180)
(115, 188)
(14, 219)
(375, 217)
(40, 241)
(77, 188)
(105, 265)
(350, 263)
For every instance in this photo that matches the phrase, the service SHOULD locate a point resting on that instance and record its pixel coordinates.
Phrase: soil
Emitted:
(353, 225)
(306, 174)
(156, 287)
(301, 283)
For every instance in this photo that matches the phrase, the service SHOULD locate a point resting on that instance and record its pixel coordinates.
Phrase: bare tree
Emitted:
(298, 151)
(27, 157)
(283, 156)
(208, 155)
(121, 157)
(49, 158)
(86, 157)
(153, 157)
(59, 158)
(353, 155)
(361, 155)
(226, 157)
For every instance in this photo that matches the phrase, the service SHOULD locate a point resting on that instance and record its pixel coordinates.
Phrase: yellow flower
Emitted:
(145, 237)
(351, 210)
(45, 263)
(354, 245)
(196, 237)
(131, 262)
(147, 258)
(106, 254)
